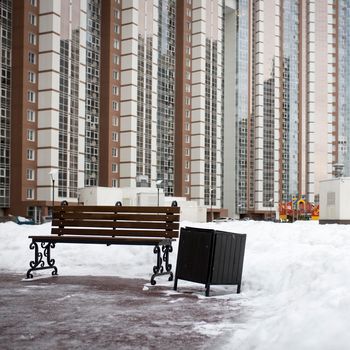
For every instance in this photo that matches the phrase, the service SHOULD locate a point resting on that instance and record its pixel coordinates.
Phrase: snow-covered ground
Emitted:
(296, 280)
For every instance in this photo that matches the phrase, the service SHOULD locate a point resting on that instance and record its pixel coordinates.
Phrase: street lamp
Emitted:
(52, 174)
(271, 204)
(211, 203)
(158, 183)
(240, 206)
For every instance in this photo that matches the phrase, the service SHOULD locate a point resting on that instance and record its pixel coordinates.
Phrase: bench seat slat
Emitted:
(99, 240)
(119, 224)
(117, 216)
(109, 233)
(119, 209)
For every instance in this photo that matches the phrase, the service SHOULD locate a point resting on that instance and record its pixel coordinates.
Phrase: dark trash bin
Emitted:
(210, 257)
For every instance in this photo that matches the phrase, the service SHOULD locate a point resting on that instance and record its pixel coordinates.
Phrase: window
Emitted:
(32, 77)
(30, 193)
(115, 90)
(33, 2)
(187, 101)
(5, 14)
(115, 75)
(116, 44)
(32, 38)
(114, 183)
(115, 106)
(2, 172)
(114, 168)
(187, 164)
(187, 113)
(30, 154)
(30, 115)
(187, 190)
(187, 139)
(188, 75)
(30, 174)
(187, 126)
(31, 96)
(187, 152)
(115, 121)
(30, 135)
(32, 58)
(187, 177)
(116, 59)
(115, 136)
(114, 152)
(2, 192)
(32, 19)
(5, 34)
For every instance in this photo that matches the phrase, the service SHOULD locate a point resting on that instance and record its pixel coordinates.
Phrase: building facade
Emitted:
(343, 69)
(111, 93)
(286, 101)
(236, 104)
(5, 88)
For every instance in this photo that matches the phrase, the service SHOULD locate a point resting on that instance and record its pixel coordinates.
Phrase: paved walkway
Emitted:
(84, 312)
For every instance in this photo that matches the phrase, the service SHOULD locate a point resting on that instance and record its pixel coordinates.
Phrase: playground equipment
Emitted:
(298, 209)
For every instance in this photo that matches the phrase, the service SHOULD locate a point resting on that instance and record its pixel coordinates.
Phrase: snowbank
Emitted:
(73, 259)
(296, 280)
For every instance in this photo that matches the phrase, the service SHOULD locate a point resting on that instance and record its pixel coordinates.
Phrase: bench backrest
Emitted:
(116, 221)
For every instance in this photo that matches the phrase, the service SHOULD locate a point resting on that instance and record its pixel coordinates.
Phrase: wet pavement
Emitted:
(85, 312)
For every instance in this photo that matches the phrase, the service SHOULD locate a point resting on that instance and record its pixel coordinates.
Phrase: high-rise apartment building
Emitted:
(289, 98)
(5, 88)
(23, 114)
(207, 101)
(117, 93)
(343, 70)
(237, 104)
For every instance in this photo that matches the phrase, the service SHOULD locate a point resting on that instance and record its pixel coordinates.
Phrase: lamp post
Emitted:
(271, 204)
(158, 183)
(211, 203)
(239, 210)
(52, 175)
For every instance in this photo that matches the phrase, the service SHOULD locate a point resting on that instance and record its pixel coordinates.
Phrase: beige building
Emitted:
(117, 94)
(235, 104)
(285, 94)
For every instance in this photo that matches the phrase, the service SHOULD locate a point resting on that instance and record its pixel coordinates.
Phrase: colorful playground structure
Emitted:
(298, 209)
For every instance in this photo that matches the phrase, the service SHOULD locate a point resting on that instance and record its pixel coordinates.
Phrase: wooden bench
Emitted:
(129, 225)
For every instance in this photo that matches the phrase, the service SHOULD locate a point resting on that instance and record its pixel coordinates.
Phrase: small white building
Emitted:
(335, 201)
(141, 196)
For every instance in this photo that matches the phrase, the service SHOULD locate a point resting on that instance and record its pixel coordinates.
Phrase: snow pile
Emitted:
(296, 280)
(73, 259)
(296, 283)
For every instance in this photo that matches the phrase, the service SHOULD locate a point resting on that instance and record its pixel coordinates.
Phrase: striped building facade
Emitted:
(113, 93)
(236, 104)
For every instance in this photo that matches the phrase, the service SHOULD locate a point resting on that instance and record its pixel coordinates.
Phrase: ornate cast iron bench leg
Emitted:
(159, 269)
(39, 259)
